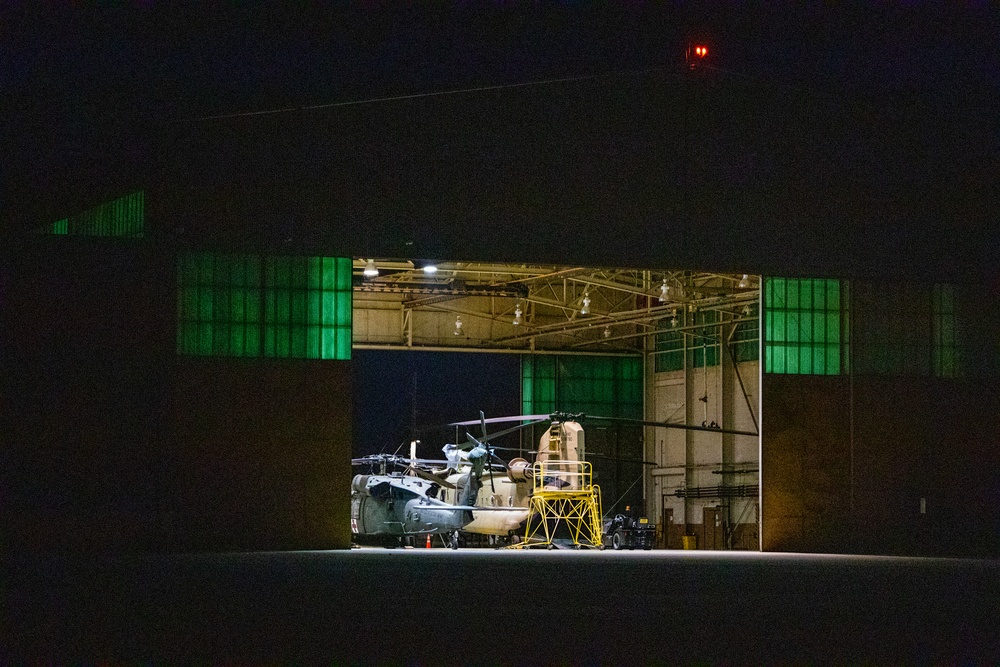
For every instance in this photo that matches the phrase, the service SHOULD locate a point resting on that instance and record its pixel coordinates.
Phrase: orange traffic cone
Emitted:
(428, 541)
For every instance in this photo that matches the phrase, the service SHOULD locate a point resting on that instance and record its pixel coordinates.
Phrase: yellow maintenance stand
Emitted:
(563, 495)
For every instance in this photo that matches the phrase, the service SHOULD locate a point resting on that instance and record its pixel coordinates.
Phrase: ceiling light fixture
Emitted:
(664, 291)
(673, 318)
(586, 304)
(607, 332)
(370, 270)
(458, 325)
(517, 315)
(430, 269)
(744, 281)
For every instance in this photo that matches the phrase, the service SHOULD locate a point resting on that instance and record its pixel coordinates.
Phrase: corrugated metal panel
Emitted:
(252, 306)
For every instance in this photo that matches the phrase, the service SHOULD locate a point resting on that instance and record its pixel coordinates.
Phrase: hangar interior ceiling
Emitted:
(523, 308)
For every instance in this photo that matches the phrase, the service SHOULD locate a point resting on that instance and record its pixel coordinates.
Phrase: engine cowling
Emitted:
(519, 470)
(359, 485)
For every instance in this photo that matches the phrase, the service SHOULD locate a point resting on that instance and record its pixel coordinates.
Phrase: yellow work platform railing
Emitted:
(564, 504)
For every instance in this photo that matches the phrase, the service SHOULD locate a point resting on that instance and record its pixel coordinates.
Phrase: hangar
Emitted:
(179, 343)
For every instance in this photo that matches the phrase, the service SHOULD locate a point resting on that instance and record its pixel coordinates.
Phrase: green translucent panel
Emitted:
(269, 341)
(328, 308)
(777, 329)
(344, 308)
(220, 338)
(313, 347)
(775, 359)
(594, 385)
(776, 293)
(204, 339)
(832, 359)
(282, 306)
(314, 273)
(204, 303)
(799, 329)
(670, 361)
(297, 307)
(237, 340)
(297, 342)
(287, 293)
(313, 307)
(806, 328)
(282, 342)
(805, 294)
(123, 217)
(343, 342)
(237, 305)
(792, 294)
(328, 273)
(819, 294)
(253, 340)
(344, 275)
(818, 361)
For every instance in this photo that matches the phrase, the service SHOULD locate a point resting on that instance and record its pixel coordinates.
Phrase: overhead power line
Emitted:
(413, 96)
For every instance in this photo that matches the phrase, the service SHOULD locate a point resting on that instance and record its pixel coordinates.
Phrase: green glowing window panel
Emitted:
(944, 355)
(703, 346)
(607, 386)
(669, 347)
(123, 217)
(746, 338)
(805, 326)
(252, 306)
(907, 329)
(893, 322)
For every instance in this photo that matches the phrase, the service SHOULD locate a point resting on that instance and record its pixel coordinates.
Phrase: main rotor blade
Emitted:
(499, 420)
(472, 441)
(686, 427)
(593, 455)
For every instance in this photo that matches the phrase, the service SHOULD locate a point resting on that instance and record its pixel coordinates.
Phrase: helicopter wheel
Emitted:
(454, 540)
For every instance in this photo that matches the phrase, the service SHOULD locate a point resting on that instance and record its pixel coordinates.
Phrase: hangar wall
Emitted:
(114, 441)
(260, 451)
(897, 454)
(86, 349)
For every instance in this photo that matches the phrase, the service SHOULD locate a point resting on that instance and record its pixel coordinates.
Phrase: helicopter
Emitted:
(445, 497)
(404, 498)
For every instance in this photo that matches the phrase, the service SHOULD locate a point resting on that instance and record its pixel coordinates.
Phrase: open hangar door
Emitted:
(679, 348)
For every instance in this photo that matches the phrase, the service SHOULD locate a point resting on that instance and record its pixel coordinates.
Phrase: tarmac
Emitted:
(484, 606)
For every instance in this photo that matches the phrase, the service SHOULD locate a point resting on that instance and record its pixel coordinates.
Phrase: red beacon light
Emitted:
(696, 53)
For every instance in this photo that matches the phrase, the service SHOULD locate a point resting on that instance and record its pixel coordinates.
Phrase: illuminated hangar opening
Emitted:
(660, 369)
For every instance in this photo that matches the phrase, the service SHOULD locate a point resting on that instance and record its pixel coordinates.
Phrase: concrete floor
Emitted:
(418, 606)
